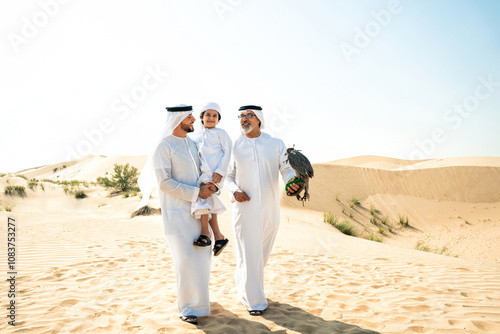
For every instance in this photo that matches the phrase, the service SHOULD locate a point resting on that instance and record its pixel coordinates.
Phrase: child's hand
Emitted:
(216, 178)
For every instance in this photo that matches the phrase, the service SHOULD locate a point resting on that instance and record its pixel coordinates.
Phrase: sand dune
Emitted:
(86, 267)
(446, 180)
(88, 168)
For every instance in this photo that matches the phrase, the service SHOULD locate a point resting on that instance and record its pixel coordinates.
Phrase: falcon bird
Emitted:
(303, 169)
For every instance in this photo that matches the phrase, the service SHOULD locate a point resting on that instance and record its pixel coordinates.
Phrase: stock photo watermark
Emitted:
(222, 7)
(121, 109)
(454, 117)
(278, 119)
(363, 36)
(12, 269)
(32, 25)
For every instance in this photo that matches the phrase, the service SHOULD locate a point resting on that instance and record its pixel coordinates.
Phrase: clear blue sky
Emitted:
(404, 79)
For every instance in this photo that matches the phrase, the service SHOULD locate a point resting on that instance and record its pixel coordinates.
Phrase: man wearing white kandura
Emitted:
(174, 168)
(253, 181)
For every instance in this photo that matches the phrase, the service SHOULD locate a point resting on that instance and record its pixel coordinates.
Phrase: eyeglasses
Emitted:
(247, 116)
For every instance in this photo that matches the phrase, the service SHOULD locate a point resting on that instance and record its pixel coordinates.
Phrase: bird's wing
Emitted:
(300, 164)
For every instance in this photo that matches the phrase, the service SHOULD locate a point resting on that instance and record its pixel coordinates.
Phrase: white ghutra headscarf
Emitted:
(257, 111)
(147, 180)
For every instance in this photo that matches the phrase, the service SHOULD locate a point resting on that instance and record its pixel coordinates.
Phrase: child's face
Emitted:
(210, 118)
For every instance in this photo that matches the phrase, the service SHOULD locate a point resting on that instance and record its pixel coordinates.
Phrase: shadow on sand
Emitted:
(292, 318)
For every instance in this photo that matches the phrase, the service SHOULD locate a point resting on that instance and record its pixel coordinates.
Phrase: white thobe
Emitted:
(255, 169)
(176, 166)
(214, 147)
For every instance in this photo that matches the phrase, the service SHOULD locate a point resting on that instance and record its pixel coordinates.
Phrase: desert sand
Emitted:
(85, 266)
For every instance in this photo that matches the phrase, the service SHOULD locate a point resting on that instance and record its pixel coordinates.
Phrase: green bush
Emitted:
(403, 220)
(373, 237)
(330, 218)
(422, 247)
(79, 194)
(15, 190)
(146, 211)
(346, 228)
(32, 184)
(123, 179)
(354, 201)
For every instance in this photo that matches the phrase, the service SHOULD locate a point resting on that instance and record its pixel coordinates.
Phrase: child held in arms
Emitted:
(214, 147)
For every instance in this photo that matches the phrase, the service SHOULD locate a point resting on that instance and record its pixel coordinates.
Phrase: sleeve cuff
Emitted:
(196, 193)
(220, 172)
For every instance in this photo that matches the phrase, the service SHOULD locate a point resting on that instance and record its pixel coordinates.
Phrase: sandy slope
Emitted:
(85, 169)
(450, 203)
(86, 267)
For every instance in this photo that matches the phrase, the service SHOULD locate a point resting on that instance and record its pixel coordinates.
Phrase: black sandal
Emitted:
(219, 246)
(202, 241)
(256, 312)
(192, 319)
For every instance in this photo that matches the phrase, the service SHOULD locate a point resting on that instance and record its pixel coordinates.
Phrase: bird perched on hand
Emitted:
(304, 171)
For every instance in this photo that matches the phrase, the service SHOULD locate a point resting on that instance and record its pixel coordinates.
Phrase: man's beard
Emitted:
(187, 127)
(247, 128)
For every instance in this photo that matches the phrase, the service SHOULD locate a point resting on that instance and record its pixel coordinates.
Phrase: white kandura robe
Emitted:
(176, 166)
(255, 169)
(214, 147)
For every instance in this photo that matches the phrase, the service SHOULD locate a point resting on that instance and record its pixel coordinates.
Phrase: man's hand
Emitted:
(206, 190)
(241, 196)
(216, 178)
(292, 189)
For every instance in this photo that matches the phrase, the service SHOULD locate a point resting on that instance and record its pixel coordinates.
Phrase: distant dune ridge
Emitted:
(86, 266)
(473, 180)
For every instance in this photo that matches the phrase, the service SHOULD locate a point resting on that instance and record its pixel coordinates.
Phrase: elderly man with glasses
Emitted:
(253, 181)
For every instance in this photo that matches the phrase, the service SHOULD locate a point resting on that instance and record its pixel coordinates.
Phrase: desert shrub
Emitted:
(146, 211)
(79, 194)
(8, 208)
(403, 220)
(374, 211)
(123, 179)
(32, 184)
(354, 201)
(15, 190)
(346, 228)
(422, 247)
(330, 218)
(373, 237)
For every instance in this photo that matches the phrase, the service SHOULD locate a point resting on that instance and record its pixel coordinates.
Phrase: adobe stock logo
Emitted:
(30, 27)
(224, 6)
(454, 117)
(121, 107)
(364, 36)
